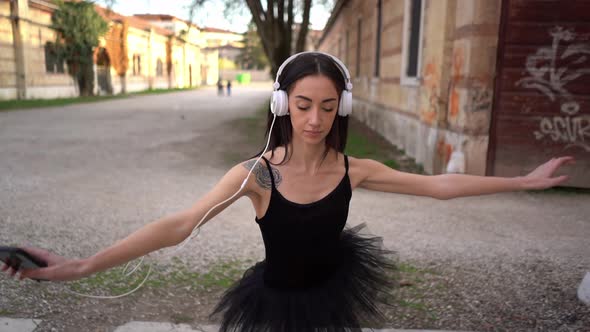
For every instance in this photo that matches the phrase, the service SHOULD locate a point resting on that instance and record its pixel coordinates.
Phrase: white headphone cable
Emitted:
(191, 235)
(241, 187)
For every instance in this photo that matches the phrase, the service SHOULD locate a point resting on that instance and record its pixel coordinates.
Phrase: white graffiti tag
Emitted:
(566, 129)
(541, 66)
(570, 128)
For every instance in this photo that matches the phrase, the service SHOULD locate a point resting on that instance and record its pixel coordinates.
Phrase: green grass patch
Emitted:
(407, 268)
(359, 146)
(366, 144)
(160, 91)
(181, 318)
(413, 305)
(562, 191)
(219, 275)
(391, 163)
(5, 312)
(411, 269)
(416, 286)
(7, 105)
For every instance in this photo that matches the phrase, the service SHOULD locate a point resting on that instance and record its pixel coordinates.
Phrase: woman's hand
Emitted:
(542, 176)
(58, 268)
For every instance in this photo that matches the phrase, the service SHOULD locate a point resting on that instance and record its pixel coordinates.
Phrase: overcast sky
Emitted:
(210, 15)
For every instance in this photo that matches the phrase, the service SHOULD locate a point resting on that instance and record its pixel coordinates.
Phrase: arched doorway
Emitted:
(103, 72)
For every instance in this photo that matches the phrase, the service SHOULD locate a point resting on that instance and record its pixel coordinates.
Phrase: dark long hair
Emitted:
(300, 67)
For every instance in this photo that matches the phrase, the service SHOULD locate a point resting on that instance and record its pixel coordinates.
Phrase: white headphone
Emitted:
(279, 103)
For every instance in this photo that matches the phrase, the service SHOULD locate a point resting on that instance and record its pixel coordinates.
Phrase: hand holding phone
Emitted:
(16, 259)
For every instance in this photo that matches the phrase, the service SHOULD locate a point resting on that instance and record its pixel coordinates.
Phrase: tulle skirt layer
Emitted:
(349, 299)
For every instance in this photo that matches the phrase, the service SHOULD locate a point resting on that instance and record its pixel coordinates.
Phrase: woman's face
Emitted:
(313, 105)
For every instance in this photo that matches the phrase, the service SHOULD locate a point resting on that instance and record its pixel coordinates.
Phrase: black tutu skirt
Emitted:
(349, 299)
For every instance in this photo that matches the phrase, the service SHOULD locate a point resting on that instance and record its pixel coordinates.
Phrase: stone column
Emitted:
(19, 12)
(150, 59)
(470, 91)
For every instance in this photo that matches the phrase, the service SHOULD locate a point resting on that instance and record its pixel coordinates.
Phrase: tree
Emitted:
(116, 45)
(275, 25)
(252, 55)
(78, 28)
(275, 28)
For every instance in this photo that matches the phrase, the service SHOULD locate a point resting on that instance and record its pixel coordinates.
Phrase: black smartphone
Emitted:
(17, 258)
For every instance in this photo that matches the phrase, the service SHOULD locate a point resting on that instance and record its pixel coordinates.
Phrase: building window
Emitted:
(358, 47)
(136, 64)
(159, 67)
(54, 62)
(412, 45)
(378, 41)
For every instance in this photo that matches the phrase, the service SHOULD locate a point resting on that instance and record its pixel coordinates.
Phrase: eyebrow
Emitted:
(308, 99)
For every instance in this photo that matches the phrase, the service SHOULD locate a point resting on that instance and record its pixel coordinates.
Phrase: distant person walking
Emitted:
(228, 88)
(220, 87)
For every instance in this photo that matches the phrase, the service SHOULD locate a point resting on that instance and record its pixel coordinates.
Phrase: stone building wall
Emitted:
(447, 107)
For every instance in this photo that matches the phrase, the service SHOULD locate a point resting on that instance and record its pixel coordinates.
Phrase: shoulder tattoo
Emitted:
(261, 174)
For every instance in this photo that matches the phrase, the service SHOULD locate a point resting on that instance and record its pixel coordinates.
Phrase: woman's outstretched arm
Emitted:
(376, 176)
(165, 232)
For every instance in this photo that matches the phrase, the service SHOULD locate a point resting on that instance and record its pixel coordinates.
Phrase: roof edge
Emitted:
(335, 12)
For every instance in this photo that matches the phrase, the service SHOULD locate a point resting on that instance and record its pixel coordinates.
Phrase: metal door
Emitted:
(542, 89)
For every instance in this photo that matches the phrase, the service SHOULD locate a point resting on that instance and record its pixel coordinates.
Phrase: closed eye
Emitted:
(308, 107)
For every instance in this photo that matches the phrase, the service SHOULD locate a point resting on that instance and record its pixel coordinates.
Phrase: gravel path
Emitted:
(78, 178)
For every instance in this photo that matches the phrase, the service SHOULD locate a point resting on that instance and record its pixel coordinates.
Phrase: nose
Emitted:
(314, 116)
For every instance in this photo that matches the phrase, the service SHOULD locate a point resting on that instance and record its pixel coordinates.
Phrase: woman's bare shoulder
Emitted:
(359, 163)
(259, 175)
(359, 168)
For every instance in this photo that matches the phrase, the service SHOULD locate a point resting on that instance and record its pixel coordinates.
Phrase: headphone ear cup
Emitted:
(345, 107)
(279, 103)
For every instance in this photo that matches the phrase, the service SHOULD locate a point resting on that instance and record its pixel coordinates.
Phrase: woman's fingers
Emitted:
(46, 256)
(559, 180)
(543, 176)
(559, 162)
(566, 160)
(27, 273)
(551, 166)
(9, 270)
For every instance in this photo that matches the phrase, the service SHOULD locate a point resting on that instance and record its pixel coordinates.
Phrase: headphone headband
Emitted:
(348, 85)
(280, 101)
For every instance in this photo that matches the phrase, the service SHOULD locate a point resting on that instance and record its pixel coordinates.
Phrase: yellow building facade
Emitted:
(25, 31)
(159, 55)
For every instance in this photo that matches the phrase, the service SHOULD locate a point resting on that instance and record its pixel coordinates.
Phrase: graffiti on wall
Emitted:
(545, 76)
(480, 97)
(432, 99)
(458, 62)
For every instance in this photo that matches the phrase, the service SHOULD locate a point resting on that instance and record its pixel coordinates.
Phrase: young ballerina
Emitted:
(317, 275)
